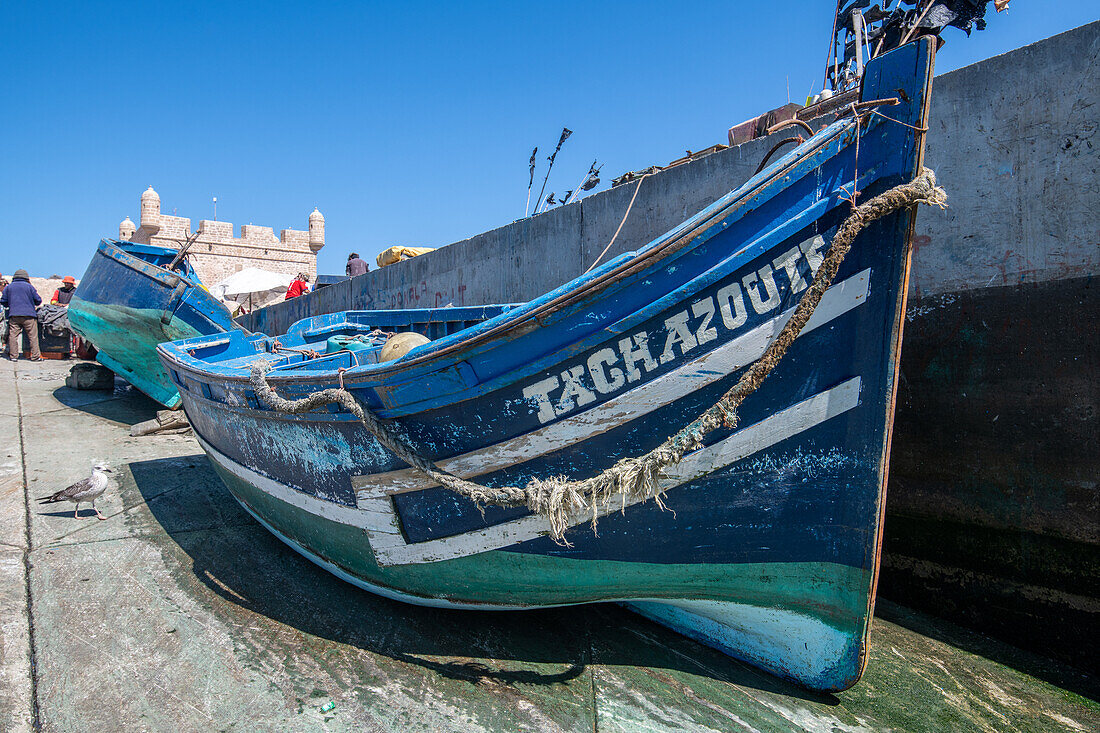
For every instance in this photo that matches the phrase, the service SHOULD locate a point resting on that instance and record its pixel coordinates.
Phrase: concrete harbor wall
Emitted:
(993, 516)
(993, 513)
(529, 257)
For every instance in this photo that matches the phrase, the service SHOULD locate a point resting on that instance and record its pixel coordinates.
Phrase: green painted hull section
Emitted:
(830, 593)
(127, 340)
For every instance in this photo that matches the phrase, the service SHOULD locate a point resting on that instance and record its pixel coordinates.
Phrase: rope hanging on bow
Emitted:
(560, 499)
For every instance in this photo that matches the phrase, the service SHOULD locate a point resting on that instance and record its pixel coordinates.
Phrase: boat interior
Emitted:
(340, 340)
(154, 255)
(350, 339)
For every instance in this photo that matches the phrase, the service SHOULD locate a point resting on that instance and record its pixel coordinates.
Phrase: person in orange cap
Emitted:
(64, 294)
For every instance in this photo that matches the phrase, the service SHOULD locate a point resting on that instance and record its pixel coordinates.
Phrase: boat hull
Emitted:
(807, 613)
(126, 305)
(767, 546)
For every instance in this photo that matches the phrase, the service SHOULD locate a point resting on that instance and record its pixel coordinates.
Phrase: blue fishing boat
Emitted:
(761, 533)
(135, 296)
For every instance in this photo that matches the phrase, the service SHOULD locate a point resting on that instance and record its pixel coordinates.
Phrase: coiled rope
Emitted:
(558, 498)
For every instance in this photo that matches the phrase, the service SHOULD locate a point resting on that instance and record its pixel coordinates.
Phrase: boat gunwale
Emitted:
(657, 250)
(654, 253)
(664, 246)
(168, 278)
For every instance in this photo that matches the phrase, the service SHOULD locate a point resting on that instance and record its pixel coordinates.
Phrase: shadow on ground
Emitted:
(237, 559)
(85, 512)
(124, 404)
(1054, 672)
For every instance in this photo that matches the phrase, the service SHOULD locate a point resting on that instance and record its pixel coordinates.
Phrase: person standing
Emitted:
(64, 294)
(20, 300)
(298, 286)
(356, 266)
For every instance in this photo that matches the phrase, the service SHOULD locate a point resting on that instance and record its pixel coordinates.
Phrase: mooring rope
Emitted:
(559, 498)
(625, 216)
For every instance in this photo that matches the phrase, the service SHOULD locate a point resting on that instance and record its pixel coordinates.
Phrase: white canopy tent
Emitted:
(252, 287)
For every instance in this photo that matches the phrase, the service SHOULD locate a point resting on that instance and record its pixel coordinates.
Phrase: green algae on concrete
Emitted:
(181, 613)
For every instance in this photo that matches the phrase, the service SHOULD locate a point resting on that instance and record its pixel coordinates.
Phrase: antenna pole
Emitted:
(565, 133)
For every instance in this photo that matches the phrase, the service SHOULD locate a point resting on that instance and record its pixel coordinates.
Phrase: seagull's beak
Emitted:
(108, 470)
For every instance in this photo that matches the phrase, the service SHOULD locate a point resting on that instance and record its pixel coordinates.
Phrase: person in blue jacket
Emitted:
(19, 301)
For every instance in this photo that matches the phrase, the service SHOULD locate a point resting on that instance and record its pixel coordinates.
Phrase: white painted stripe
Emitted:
(390, 548)
(382, 525)
(382, 590)
(664, 390)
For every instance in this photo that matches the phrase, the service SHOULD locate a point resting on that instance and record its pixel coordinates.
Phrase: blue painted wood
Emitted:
(128, 302)
(770, 546)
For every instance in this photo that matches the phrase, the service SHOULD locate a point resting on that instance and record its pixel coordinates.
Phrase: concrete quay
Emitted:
(180, 613)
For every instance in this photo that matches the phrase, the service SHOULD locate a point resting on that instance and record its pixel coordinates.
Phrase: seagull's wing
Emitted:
(68, 492)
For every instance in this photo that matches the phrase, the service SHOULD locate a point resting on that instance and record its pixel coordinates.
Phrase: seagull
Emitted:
(86, 489)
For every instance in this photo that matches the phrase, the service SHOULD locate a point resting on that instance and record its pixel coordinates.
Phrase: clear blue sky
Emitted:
(405, 123)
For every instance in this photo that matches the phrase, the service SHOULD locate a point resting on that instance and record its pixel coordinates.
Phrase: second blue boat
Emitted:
(132, 298)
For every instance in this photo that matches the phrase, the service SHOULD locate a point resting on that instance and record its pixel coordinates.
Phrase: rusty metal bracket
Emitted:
(785, 141)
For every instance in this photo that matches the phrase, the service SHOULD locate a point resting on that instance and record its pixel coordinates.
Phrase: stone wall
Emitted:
(216, 253)
(993, 508)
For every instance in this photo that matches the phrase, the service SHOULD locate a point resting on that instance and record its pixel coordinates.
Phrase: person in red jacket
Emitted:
(299, 286)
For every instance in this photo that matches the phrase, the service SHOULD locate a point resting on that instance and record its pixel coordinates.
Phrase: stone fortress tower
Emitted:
(216, 253)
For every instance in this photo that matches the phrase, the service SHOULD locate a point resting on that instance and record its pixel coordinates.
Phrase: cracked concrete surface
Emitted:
(180, 613)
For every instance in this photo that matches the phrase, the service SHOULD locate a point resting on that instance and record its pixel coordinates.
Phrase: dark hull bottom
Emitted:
(807, 614)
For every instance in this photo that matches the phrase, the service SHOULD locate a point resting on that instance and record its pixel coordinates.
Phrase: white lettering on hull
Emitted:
(604, 370)
(631, 404)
